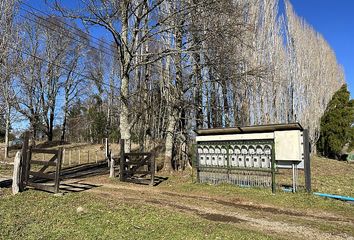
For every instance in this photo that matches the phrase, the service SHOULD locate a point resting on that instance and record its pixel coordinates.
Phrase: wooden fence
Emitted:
(135, 166)
(34, 176)
(72, 157)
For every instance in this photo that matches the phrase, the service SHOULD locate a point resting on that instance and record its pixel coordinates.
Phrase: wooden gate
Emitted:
(136, 163)
(34, 172)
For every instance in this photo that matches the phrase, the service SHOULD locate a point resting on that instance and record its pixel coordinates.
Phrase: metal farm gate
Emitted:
(240, 162)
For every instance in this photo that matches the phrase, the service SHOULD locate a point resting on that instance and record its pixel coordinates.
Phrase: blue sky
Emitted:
(334, 19)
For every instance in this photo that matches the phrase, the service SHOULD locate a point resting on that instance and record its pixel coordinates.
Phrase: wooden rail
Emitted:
(132, 163)
(39, 179)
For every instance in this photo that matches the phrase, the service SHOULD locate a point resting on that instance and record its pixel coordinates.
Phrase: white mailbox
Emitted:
(231, 154)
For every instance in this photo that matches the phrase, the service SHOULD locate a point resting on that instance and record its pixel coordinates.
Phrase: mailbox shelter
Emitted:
(252, 155)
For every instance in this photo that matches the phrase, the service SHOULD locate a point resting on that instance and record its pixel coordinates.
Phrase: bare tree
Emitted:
(8, 61)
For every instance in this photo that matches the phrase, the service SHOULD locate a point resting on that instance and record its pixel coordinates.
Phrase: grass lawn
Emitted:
(328, 176)
(90, 215)
(38, 215)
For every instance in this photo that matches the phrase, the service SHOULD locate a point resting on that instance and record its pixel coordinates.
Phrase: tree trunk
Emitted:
(167, 166)
(198, 91)
(63, 129)
(7, 130)
(226, 104)
(124, 89)
(51, 125)
(174, 101)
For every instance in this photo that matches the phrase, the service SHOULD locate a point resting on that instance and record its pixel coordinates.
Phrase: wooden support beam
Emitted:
(307, 160)
(46, 151)
(273, 168)
(41, 186)
(122, 161)
(152, 169)
(38, 175)
(137, 154)
(24, 164)
(44, 163)
(58, 170)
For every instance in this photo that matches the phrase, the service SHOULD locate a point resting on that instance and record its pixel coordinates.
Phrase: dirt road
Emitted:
(254, 216)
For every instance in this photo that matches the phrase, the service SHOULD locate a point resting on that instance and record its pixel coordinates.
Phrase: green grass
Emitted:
(299, 201)
(38, 215)
(328, 176)
(6, 170)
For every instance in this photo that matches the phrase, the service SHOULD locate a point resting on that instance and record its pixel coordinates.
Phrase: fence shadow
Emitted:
(145, 181)
(76, 187)
(85, 170)
(5, 183)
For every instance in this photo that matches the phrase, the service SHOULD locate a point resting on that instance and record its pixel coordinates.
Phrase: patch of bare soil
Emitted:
(237, 203)
(240, 213)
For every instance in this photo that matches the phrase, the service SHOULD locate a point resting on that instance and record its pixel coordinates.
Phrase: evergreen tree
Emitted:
(336, 124)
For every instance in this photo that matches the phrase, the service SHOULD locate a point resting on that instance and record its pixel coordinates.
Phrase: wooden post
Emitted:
(106, 148)
(70, 157)
(273, 168)
(23, 165)
(152, 169)
(122, 161)
(293, 178)
(79, 157)
(58, 170)
(196, 162)
(88, 156)
(307, 160)
(96, 155)
(16, 173)
(63, 156)
(111, 169)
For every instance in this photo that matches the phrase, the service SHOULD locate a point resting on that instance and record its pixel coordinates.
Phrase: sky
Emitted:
(334, 19)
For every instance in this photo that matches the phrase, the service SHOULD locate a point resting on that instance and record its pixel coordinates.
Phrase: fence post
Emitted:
(57, 170)
(111, 169)
(16, 174)
(79, 157)
(196, 162)
(23, 164)
(122, 161)
(63, 156)
(273, 168)
(152, 168)
(106, 147)
(96, 155)
(70, 157)
(88, 156)
(307, 160)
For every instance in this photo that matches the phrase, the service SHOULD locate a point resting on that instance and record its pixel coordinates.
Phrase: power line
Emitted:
(65, 23)
(68, 36)
(152, 63)
(111, 53)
